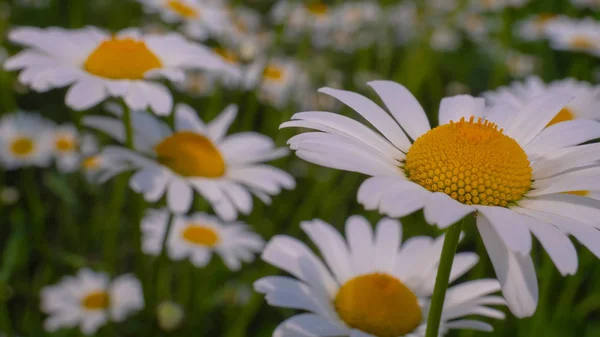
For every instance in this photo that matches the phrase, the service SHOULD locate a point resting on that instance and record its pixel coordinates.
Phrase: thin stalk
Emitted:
(442, 279)
(162, 283)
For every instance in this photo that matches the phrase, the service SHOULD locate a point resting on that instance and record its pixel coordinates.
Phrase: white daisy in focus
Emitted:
(575, 35)
(583, 106)
(533, 28)
(25, 141)
(89, 300)
(225, 170)
(98, 65)
(502, 163)
(370, 284)
(197, 236)
(198, 19)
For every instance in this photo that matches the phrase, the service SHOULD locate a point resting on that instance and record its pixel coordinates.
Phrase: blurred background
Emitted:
(53, 223)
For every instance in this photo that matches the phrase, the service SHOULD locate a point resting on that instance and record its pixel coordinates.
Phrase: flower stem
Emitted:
(128, 128)
(442, 279)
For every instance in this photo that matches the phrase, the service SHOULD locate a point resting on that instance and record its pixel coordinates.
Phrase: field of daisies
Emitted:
(285, 168)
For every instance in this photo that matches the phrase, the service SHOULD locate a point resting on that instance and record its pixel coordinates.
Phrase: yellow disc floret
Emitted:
(201, 235)
(471, 161)
(122, 59)
(97, 300)
(378, 304)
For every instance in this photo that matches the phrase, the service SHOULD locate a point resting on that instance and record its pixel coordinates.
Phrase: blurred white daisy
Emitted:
(65, 141)
(9, 195)
(198, 19)
(496, 5)
(89, 300)
(277, 80)
(225, 170)
(370, 284)
(502, 163)
(247, 34)
(594, 4)
(583, 106)
(444, 38)
(355, 25)
(405, 21)
(197, 236)
(575, 35)
(533, 28)
(25, 140)
(520, 65)
(98, 65)
(299, 18)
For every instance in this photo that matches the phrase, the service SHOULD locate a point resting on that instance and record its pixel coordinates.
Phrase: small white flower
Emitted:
(519, 65)
(534, 27)
(277, 79)
(199, 20)
(225, 170)
(9, 195)
(575, 35)
(65, 142)
(197, 237)
(370, 284)
(98, 65)
(89, 300)
(405, 21)
(445, 39)
(25, 140)
(594, 4)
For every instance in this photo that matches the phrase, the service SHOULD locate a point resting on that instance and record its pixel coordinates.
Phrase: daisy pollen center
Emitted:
(471, 161)
(182, 9)
(64, 144)
(582, 42)
(22, 146)
(201, 235)
(122, 59)
(563, 115)
(378, 304)
(96, 300)
(190, 155)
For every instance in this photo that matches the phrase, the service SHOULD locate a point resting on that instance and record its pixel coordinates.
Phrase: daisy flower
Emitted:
(583, 106)
(25, 141)
(65, 142)
(370, 284)
(575, 35)
(197, 237)
(98, 65)
(89, 300)
(198, 20)
(225, 170)
(298, 18)
(534, 27)
(502, 163)
(594, 4)
(279, 80)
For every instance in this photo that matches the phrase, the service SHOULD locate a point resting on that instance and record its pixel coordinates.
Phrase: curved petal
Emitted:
(456, 107)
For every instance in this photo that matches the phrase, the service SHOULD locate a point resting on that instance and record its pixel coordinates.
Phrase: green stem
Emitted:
(162, 280)
(442, 279)
(128, 128)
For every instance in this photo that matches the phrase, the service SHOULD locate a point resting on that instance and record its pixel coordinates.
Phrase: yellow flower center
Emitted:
(581, 193)
(91, 163)
(542, 19)
(273, 73)
(317, 8)
(96, 300)
(227, 55)
(564, 115)
(201, 235)
(582, 42)
(182, 9)
(64, 144)
(190, 155)
(473, 162)
(378, 304)
(22, 147)
(121, 59)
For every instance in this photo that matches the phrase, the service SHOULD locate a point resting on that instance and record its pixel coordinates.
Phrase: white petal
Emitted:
(372, 189)
(510, 226)
(158, 97)
(374, 114)
(404, 107)
(566, 159)
(456, 107)
(403, 198)
(217, 129)
(534, 117)
(332, 247)
(186, 118)
(443, 211)
(469, 324)
(562, 135)
(310, 325)
(85, 94)
(584, 179)
(388, 235)
(557, 244)
(586, 210)
(179, 196)
(136, 98)
(469, 291)
(515, 272)
(294, 257)
(360, 242)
